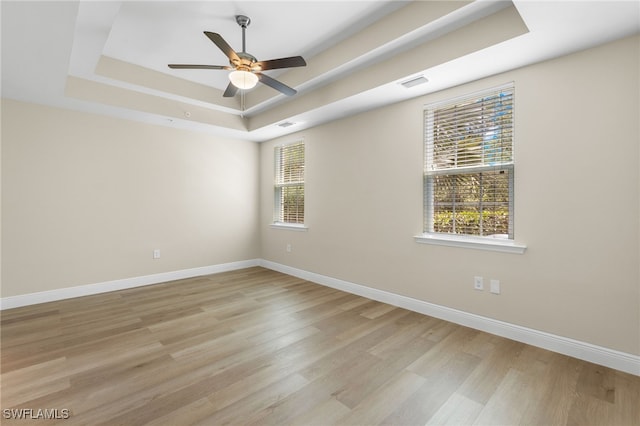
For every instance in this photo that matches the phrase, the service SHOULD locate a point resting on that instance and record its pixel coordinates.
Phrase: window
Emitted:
(289, 184)
(468, 178)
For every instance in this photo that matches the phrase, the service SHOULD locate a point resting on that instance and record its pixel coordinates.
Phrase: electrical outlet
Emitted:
(289, 248)
(156, 254)
(478, 283)
(495, 286)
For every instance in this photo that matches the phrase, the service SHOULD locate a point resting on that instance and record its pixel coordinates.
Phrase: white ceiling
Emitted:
(110, 57)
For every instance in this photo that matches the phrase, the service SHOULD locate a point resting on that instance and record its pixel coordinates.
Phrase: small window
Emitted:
(289, 184)
(469, 167)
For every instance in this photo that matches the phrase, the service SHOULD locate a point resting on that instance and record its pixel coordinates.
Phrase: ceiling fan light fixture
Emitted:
(243, 79)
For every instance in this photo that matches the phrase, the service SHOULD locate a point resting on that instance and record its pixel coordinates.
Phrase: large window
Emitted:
(289, 184)
(468, 178)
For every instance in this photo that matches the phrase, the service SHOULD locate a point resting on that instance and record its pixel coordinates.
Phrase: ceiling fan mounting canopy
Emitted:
(246, 69)
(243, 20)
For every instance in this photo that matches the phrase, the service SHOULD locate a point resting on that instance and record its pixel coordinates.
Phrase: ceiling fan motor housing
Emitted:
(246, 62)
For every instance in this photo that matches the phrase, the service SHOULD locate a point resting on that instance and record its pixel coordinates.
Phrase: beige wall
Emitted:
(576, 204)
(86, 199)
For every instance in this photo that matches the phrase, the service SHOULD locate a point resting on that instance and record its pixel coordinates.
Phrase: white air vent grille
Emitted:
(414, 81)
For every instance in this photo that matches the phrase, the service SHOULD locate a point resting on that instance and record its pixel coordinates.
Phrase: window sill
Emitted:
(289, 226)
(480, 243)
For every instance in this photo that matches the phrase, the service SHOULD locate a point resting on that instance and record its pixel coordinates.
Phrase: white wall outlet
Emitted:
(495, 286)
(156, 254)
(478, 283)
(289, 248)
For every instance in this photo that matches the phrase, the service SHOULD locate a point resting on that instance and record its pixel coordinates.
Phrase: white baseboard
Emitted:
(586, 351)
(104, 287)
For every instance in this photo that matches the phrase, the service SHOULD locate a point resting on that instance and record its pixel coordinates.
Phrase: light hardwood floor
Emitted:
(256, 347)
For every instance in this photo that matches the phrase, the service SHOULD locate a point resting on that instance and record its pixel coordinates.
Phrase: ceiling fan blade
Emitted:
(223, 45)
(293, 61)
(273, 83)
(231, 91)
(199, 67)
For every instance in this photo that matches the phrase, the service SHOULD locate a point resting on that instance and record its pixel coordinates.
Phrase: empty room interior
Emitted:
(320, 212)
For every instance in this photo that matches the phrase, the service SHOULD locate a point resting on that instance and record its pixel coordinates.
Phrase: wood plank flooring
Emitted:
(256, 347)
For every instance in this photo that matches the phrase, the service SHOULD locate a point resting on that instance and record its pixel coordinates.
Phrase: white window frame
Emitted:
(493, 242)
(280, 184)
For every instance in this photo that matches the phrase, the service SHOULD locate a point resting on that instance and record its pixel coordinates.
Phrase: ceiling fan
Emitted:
(246, 69)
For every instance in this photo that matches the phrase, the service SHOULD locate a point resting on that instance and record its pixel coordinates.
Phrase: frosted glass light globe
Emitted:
(243, 79)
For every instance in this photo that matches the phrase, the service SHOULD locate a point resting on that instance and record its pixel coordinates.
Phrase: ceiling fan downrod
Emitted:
(244, 22)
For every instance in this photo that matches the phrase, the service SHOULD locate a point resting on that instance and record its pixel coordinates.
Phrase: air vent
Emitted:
(286, 124)
(414, 81)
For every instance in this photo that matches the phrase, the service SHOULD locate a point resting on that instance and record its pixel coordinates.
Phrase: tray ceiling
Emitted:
(111, 57)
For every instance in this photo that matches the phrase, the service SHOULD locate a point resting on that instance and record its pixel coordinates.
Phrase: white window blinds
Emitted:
(469, 165)
(289, 183)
